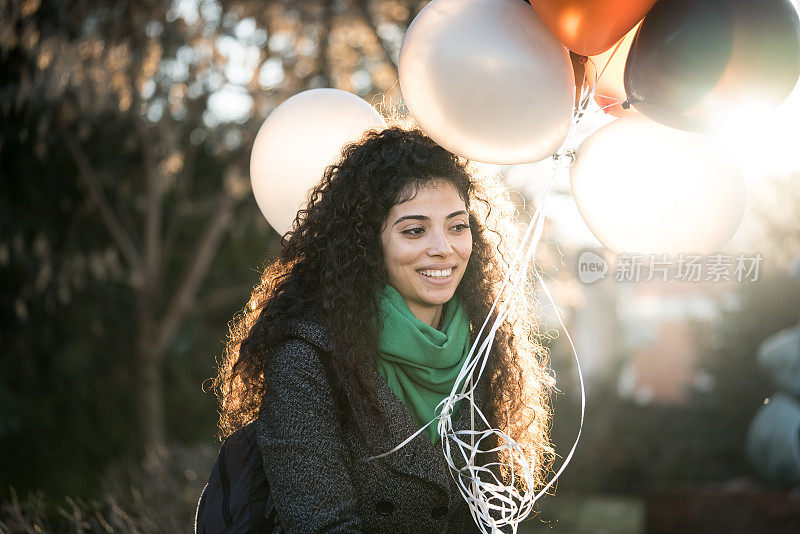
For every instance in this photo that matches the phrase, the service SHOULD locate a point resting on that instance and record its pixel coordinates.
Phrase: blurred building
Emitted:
(646, 336)
(665, 326)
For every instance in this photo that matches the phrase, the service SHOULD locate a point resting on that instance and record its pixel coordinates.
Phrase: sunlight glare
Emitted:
(645, 188)
(760, 141)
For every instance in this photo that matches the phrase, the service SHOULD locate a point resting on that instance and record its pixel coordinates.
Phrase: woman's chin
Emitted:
(438, 296)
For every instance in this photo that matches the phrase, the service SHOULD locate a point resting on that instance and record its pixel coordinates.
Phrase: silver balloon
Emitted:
(301, 137)
(487, 80)
(773, 440)
(645, 188)
(779, 356)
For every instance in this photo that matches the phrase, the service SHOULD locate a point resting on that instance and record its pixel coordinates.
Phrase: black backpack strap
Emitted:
(234, 499)
(200, 513)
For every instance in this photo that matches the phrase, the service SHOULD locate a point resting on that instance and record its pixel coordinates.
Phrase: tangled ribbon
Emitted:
(492, 503)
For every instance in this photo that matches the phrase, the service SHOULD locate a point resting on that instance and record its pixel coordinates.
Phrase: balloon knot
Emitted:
(582, 60)
(626, 105)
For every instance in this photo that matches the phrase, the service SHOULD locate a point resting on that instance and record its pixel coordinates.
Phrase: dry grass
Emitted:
(157, 495)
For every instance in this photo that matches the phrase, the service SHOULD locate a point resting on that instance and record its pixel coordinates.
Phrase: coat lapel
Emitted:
(419, 457)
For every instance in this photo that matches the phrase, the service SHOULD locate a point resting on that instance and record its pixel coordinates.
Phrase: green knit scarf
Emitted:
(419, 362)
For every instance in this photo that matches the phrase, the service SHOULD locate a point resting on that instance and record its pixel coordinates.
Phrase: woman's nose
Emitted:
(440, 245)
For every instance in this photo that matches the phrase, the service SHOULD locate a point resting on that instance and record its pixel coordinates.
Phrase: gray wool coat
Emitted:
(311, 458)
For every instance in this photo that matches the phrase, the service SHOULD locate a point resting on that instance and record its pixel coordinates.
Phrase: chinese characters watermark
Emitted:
(683, 268)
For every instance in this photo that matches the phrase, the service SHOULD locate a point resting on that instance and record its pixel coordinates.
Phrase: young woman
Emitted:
(356, 334)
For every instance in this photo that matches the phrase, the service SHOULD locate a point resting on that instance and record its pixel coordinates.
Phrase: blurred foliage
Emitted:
(128, 235)
(631, 448)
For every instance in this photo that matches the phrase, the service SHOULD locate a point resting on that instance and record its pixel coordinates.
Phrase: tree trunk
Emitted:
(150, 402)
(149, 383)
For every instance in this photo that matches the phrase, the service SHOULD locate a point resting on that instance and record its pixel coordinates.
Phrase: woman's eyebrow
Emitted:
(459, 212)
(426, 218)
(417, 217)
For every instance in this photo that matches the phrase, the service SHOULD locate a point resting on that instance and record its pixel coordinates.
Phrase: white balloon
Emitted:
(487, 80)
(301, 137)
(646, 188)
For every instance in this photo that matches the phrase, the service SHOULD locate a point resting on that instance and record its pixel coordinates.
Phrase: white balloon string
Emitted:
(481, 496)
(471, 361)
(591, 90)
(492, 503)
(608, 62)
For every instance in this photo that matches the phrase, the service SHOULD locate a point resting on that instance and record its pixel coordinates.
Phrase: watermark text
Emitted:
(683, 267)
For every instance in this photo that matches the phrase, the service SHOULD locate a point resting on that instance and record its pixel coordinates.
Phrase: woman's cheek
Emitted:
(467, 247)
(409, 252)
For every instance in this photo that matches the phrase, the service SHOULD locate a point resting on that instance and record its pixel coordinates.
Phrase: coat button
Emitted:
(439, 512)
(384, 507)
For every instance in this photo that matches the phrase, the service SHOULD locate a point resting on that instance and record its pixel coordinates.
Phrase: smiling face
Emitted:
(427, 243)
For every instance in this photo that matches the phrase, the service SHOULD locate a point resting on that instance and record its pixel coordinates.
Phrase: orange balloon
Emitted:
(590, 27)
(605, 72)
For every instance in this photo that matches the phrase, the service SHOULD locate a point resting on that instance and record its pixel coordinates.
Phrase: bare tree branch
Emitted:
(221, 298)
(181, 194)
(366, 13)
(152, 234)
(127, 220)
(115, 228)
(324, 65)
(199, 266)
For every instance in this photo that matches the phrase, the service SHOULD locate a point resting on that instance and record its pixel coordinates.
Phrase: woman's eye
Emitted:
(413, 232)
(461, 227)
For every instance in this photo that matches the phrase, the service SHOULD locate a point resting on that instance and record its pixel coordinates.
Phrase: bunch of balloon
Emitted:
(604, 76)
(491, 80)
(599, 33)
(693, 65)
(487, 80)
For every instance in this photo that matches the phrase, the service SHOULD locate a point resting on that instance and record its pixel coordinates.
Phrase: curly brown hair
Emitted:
(331, 267)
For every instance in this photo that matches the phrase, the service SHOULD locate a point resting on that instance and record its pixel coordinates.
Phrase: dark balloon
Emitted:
(692, 60)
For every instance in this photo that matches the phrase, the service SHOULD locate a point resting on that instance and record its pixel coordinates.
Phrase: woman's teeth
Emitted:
(437, 274)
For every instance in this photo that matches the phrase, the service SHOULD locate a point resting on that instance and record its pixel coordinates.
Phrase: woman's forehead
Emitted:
(419, 192)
